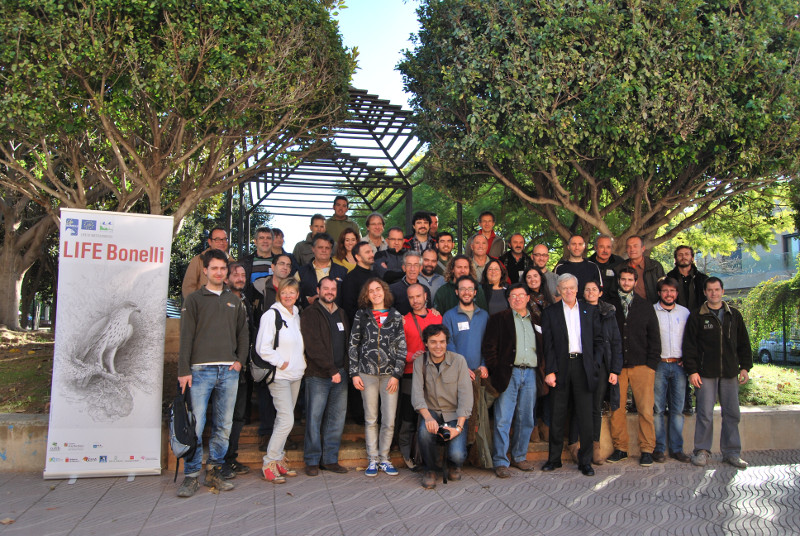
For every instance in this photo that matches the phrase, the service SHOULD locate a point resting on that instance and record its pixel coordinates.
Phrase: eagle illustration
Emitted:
(106, 336)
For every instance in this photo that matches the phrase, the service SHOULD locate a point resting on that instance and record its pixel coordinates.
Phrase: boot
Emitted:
(597, 457)
(573, 450)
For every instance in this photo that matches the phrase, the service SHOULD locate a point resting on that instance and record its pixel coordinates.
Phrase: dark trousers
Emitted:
(571, 384)
(597, 408)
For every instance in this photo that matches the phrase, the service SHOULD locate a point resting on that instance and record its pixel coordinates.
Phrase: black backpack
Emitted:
(260, 369)
(182, 424)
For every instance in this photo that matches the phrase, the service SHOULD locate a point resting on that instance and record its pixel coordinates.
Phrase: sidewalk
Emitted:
(623, 498)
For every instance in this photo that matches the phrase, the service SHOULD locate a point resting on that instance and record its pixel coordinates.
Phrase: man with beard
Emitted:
(447, 296)
(605, 260)
(326, 331)
(421, 239)
(515, 260)
(429, 277)
(577, 265)
(356, 278)
(540, 256)
(670, 375)
(412, 262)
(444, 245)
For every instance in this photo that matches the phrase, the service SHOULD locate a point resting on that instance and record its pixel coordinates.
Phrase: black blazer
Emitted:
(556, 340)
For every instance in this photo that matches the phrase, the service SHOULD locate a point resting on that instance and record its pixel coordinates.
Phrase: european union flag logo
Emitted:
(71, 226)
(89, 225)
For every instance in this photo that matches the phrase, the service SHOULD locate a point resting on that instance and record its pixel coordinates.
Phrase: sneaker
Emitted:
(227, 472)
(646, 459)
(735, 461)
(284, 469)
(680, 456)
(659, 457)
(700, 459)
(616, 456)
(387, 468)
(270, 473)
(239, 468)
(372, 469)
(214, 479)
(188, 487)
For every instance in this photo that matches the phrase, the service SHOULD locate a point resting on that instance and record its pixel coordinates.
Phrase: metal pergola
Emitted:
(372, 157)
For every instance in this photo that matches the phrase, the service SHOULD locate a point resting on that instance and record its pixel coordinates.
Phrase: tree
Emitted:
(165, 101)
(642, 112)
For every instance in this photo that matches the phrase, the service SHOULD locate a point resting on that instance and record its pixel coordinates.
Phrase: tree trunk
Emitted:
(10, 287)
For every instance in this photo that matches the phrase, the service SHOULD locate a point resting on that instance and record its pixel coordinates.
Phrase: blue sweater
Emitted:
(467, 342)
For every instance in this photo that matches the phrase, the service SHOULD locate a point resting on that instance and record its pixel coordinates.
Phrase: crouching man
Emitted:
(442, 394)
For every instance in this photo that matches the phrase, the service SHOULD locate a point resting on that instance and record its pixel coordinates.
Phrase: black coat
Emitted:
(713, 349)
(641, 335)
(308, 281)
(499, 349)
(556, 341)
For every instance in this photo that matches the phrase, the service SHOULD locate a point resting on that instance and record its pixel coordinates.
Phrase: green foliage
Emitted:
(612, 116)
(764, 307)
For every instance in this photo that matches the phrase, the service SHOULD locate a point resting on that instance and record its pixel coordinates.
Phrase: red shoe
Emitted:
(271, 473)
(284, 469)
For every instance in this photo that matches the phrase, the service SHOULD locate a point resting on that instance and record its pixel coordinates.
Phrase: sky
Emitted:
(380, 30)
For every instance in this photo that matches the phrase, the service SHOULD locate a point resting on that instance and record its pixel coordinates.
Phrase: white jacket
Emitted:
(290, 343)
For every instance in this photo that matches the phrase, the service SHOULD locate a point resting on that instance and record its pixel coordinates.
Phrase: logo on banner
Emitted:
(71, 226)
(54, 447)
(54, 460)
(103, 459)
(106, 225)
(89, 225)
(88, 459)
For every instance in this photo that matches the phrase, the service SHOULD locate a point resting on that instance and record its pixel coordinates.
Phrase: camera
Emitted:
(443, 432)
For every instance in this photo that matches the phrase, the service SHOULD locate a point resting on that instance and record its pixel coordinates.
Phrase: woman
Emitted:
(494, 281)
(610, 366)
(282, 348)
(377, 358)
(344, 249)
(537, 289)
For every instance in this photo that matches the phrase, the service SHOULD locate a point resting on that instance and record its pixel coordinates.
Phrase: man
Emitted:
(303, 253)
(717, 358)
(577, 265)
(194, 278)
(412, 262)
(641, 354)
(442, 395)
(319, 267)
(511, 349)
(480, 258)
(444, 244)
(540, 256)
(389, 262)
(515, 260)
(421, 239)
(414, 324)
(356, 278)
(258, 267)
(496, 246)
(572, 343)
(339, 221)
(648, 271)
(428, 276)
(375, 224)
(277, 248)
(434, 228)
(213, 349)
(670, 383)
(690, 280)
(690, 294)
(237, 281)
(326, 331)
(447, 296)
(467, 324)
(605, 260)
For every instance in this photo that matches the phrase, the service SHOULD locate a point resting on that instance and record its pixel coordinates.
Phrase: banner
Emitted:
(105, 404)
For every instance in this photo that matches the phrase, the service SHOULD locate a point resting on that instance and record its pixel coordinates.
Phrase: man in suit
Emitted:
(572, 338)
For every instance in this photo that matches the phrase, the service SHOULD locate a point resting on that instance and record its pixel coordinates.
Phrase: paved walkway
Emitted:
(670, 498)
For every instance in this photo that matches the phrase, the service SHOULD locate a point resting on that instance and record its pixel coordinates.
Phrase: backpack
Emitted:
(182, 424)
(260, 369)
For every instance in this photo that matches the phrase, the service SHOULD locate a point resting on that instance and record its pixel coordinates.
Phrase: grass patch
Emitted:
(771, 385)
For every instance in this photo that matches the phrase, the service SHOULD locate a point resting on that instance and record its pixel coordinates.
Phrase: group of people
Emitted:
(465, 352)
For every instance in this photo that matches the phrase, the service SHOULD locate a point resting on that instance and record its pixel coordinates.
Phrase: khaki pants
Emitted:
(642, 381)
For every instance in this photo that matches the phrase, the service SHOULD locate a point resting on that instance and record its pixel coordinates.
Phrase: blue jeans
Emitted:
(515, 404)
(428, 445)
(670, 386)
(220, 385)
(326, 406)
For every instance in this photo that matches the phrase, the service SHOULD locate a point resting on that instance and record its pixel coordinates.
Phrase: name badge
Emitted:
(609, 272)
(340, 326)
(538, 328)
(463, 326)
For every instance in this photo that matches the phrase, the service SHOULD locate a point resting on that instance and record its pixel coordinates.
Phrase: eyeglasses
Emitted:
(517, 296)
(468, 290)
